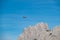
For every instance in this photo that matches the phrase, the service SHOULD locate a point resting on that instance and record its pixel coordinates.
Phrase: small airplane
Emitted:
(24, 17)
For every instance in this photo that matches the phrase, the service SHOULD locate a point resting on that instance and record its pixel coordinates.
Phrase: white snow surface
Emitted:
(40, 32)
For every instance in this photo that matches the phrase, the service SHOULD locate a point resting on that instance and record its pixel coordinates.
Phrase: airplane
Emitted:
(24, 17)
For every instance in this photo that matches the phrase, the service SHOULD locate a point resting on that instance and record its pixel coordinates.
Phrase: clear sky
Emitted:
(36, 11)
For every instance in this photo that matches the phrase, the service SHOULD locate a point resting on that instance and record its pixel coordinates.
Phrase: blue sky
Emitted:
(12, 23)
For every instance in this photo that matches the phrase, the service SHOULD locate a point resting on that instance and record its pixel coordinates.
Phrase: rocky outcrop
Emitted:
(40, 32)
